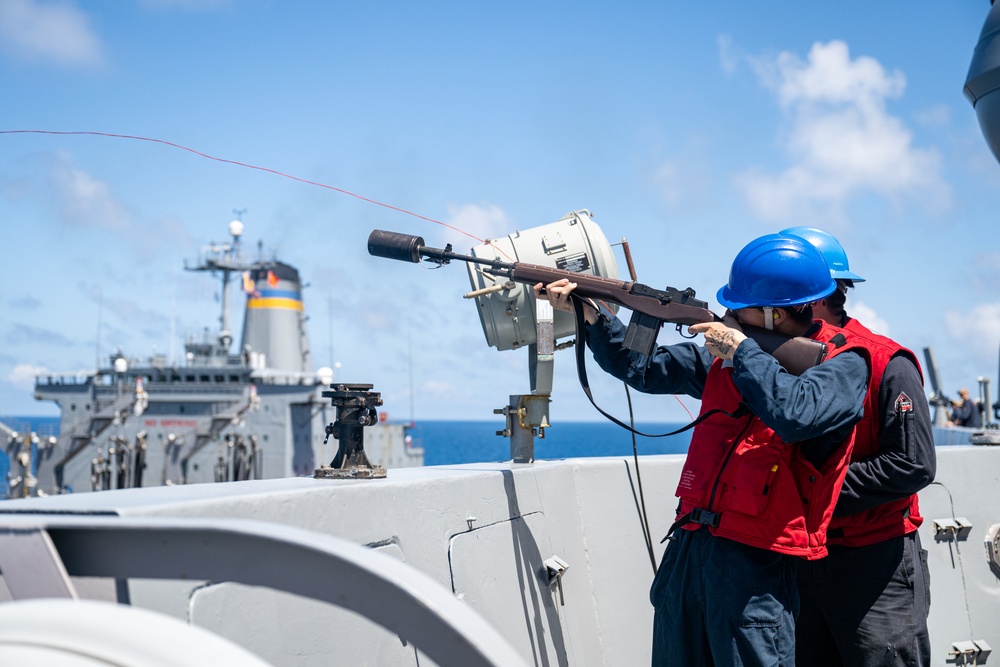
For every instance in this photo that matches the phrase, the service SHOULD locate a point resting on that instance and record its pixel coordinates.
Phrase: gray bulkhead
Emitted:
(489, 534)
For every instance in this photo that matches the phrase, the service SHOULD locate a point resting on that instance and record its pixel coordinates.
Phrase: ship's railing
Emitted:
(12, 425)
(56, 381)
(210, 377)
(40, 553)
(112, 383)
(284, 378)
(225, 390)
(201, 376)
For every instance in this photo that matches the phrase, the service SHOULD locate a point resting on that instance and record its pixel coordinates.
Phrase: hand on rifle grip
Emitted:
(558, 294)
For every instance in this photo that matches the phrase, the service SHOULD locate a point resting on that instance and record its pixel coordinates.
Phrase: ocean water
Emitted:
(450, 442)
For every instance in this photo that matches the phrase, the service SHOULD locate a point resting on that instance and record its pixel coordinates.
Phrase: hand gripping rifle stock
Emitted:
(650, 307)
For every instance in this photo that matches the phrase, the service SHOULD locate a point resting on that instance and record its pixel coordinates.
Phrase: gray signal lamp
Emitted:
(507, 310)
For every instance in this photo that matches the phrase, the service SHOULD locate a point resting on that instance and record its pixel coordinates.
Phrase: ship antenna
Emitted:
(233, 252)
(100, 306)
(409, 353)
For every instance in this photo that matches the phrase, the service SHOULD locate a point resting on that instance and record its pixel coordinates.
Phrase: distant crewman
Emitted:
(867, 602)
(965, 411)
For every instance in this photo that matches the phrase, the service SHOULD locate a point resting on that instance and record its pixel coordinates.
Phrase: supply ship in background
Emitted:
(254, 413)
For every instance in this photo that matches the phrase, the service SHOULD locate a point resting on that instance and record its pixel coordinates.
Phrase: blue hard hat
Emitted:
(830, 248)
(777, 270)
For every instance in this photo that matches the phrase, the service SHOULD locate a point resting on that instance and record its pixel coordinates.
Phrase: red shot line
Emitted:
(248, 166)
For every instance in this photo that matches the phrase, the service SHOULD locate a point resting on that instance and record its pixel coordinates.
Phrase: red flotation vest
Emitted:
(895, 518)
(748, 485)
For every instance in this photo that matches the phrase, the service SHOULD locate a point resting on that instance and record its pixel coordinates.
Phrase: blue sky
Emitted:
(688, 128)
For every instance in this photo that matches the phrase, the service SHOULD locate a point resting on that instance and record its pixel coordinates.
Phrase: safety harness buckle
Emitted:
(698, 515)
(704, 517)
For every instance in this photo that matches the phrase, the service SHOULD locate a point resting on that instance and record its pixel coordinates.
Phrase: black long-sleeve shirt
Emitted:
(819, 407)
(905, 459)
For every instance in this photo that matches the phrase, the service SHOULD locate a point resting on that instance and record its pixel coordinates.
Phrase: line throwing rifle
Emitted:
(650, 307)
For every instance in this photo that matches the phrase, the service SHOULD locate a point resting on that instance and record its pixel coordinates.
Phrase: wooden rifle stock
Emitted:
(795, 354)
(652, 307)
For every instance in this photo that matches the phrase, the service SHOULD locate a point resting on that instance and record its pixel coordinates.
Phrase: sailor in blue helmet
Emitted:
(830, 308)
(866, 603)
(766, 460)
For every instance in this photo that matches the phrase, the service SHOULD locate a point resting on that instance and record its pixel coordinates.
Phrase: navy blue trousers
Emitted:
(723, 604)
(866, 606)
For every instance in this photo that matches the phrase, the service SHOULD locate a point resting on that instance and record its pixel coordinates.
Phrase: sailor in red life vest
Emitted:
(766, 460)
(867, 603)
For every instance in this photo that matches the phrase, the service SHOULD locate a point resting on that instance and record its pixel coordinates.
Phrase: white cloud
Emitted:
(55, 33)
(85, 200)
(843, 141)
(977, 330)
(484, 221)
(439, 389)
(23, 375)
(829, 76)
(868, 317)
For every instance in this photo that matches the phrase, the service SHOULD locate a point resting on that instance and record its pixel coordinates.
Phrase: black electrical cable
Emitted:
(640, 499)
(581, 371)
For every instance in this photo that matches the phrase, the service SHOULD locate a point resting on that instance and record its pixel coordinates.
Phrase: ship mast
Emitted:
(225, 260)
(225, 333)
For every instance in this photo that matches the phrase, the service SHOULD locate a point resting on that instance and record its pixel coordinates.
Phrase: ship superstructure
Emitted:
(221, 415)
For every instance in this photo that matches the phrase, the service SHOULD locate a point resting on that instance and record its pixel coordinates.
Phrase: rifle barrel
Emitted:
(409, 248)
(392, 245)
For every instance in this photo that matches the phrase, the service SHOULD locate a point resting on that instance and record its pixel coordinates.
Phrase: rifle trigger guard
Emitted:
(680, 331)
